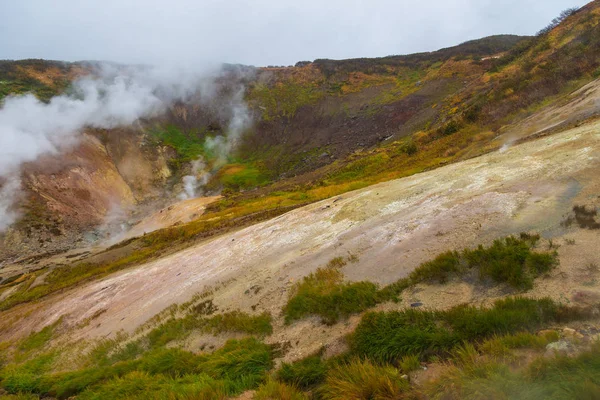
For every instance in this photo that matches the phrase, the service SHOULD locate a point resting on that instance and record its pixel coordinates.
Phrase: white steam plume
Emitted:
(111, 96)
(220, 146)
(198, 178)
(8, 192)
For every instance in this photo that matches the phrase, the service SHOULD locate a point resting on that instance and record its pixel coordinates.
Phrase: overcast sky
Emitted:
(256, 32)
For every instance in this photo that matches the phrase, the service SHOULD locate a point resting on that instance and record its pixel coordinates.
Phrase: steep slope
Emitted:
(338, 241)
(321, 129)
(391, 228)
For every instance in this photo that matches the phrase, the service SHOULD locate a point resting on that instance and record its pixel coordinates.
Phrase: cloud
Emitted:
(256, 32)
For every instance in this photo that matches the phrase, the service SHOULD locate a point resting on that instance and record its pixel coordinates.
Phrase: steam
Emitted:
(111, 96)
(220, 146)
(198, 178)
(8, 192)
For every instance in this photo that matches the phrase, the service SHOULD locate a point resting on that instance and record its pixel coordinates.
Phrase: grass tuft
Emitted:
(304, 373)
(509, 260)
(362, 380)
(272, 390)
(389, 336)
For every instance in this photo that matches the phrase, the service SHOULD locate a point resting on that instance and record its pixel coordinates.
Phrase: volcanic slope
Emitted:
(387, 230)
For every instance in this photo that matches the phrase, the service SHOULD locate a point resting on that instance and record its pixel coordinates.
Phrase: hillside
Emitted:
(416, 226)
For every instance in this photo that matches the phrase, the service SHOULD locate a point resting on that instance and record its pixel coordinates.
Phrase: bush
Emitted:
(510, 260)
(361, 380)
(304, 373)
(409, 148)
(450, 128)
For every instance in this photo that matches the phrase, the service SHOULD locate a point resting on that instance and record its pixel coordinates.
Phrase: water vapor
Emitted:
(111, 95)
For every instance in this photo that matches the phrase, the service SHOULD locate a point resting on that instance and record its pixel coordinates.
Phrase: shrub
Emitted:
(450, 128)
(304, 373)
(510, 260)
(409, 148)
(361, 380)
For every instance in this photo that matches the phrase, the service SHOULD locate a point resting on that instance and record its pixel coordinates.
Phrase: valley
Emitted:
(420, 226)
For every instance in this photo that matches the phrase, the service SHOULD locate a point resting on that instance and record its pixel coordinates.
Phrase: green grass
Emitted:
(141, 385)
(510, 260)
(188, 146)
(390, 336)
(409, 363)
(501, 346)
(233, 321)
(272, 390)
(37, 340)
(242, 176)
(283, 99)
(324, 293)
(305, 373)
(163, 373)
(362, 380)
(439, 269)
(561, 377)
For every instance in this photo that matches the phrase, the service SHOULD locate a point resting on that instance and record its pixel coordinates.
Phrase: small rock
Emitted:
(562, 346)
(405, 377)
(571, 333)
